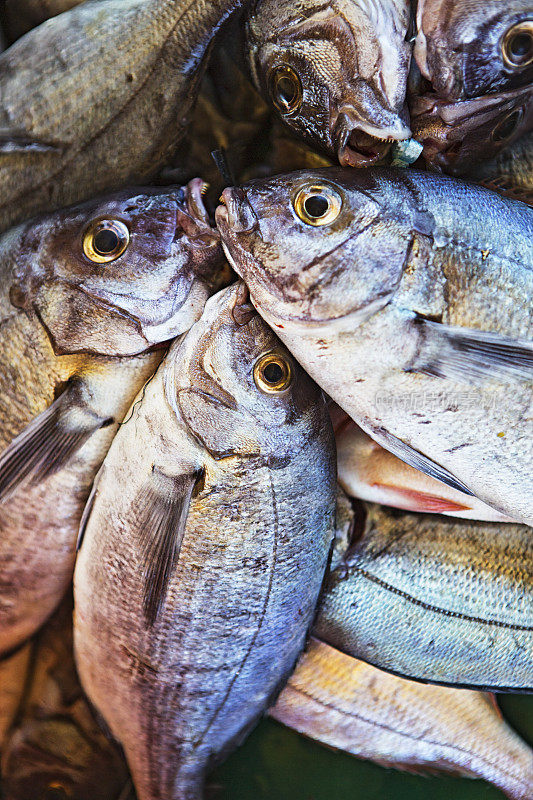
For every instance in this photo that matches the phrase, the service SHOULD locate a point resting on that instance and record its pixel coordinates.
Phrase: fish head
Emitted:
(457, 134)
(120, 274)
(52, 759)
(239, 389)
(336, 73)
(470, 49)
(315, 246)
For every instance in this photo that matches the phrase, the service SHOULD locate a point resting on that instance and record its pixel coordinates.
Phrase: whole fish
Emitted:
(410, 311)
(13, 674)
(56, 749)
(511, 173)
(470, 49)
(369, 472)
(85, 295)
(457, 134)
(23, 15)
(81, 115)
(336, 72)
(435, 600)
(351, 706)
(206, 540)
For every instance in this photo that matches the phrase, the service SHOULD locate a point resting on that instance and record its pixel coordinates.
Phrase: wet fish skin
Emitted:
(369, 472)
(460, 46)
(57, 748)
(13, 670)
(352, 706)
(435, 600)
(457, 135)
(202, 624)
(352, 61)
(357, 303)
(78, 343)
(79, 117)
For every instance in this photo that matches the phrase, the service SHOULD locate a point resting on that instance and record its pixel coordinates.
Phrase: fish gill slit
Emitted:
(274, 561)
(437, 609)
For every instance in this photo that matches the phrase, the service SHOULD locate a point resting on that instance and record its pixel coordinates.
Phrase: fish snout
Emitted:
(360, 142)
(235, 212)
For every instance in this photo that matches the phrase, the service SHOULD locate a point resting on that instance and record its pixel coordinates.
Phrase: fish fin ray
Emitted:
(470, 355)
(419, 461)
(47, 443)
(163, 508)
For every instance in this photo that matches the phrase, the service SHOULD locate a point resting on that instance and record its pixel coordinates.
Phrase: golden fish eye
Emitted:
(273, 373)
(508, 125)
(517, 45)
(56, 791)
(285, 89)
(317, 205)
(105, 240)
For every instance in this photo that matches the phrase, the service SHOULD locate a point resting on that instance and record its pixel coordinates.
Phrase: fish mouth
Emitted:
(192, 219)
(360, 144)
(235, 212)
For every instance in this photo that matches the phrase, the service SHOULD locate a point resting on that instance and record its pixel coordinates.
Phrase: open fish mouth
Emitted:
(359, 144)
(192, 218)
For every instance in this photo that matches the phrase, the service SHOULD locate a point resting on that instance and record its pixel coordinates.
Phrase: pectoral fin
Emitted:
(47, 443)
(162, 508)
(418, 460)
(470, 355)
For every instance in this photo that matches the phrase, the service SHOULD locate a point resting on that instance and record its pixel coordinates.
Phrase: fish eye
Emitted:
(273, 373)
(317, 205)
(285, 89)
(505, 129)
(105, 240)
(517, 45)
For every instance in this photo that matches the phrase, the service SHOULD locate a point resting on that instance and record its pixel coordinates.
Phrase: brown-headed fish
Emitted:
(336, 72)
(86, 294)
(23, 15)
(352, 706)
(469, 49)
(457, 134)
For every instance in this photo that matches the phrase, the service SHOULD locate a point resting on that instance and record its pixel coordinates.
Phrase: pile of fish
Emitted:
(272, 453)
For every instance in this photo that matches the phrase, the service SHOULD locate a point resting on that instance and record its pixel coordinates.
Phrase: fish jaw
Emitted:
(360, 140)
(456, 134)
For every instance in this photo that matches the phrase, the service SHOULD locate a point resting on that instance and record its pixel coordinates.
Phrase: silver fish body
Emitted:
(467, 49)
(79, 116)
(352, 706)
(204, 548)
(409, 310)
(56, 748)
(337, 73)
(435, 600)
(78, 337)
(369, 472)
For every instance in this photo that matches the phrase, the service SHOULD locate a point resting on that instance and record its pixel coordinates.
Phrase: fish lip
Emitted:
(235, 212)
(192, 218)
(359, 143)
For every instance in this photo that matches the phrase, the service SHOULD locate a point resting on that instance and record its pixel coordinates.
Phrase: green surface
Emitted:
(277, 764)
